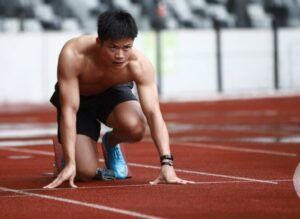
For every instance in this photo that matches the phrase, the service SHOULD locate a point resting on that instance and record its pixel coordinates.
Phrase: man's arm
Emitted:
(148, 95)
(149, 100)
(69, 101)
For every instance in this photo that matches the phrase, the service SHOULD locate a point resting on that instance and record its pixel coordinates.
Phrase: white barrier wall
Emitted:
(21, 68)
(28, 62)
(247, 60)
(189, 63)
(290, 59)
(28, 65)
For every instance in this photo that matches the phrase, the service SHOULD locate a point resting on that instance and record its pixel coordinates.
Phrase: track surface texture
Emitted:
(242, 154)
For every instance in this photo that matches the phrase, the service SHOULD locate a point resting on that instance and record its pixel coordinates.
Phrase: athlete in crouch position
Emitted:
(95, 78)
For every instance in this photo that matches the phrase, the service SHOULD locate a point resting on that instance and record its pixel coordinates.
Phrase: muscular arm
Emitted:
(69, 99)
(150, 105)
(68, 71)
(147, 91)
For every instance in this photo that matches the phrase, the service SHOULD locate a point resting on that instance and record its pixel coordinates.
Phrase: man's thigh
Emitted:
(86, 124)
(126, 114)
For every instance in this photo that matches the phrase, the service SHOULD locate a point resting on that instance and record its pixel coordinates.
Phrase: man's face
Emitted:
(117, 52)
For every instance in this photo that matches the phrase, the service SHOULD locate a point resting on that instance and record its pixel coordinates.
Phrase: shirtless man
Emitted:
(95, 78)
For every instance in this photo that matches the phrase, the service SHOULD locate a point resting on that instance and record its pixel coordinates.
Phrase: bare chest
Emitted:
(94, 81)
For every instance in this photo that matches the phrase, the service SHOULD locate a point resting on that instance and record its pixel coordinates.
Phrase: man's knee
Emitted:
(86, 173)
(136, 129)
(85, 176)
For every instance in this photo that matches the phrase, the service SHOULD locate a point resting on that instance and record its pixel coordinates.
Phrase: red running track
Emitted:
(242, 154)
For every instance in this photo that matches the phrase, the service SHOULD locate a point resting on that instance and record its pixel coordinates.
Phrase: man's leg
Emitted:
(128, 123)
(86, 157)
(86, 151)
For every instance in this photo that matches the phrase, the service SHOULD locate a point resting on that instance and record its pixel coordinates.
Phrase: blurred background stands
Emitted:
(81, 15)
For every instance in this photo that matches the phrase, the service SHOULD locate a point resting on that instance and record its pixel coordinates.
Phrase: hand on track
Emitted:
(67, 173)
(168, 175)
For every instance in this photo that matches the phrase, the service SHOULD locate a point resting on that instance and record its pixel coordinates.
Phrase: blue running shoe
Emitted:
(114, 158)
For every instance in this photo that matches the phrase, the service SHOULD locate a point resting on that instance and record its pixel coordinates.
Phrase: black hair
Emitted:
(116, 25)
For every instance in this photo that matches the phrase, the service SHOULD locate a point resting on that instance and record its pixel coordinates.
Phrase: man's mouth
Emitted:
(119, 63)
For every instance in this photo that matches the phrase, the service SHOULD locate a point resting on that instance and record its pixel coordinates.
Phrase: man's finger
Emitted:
(71, 181)
(156, 181)
(57, 182)
(182, 181)
(73, 185)
(52, 185)
(173, 181)
(186, 181)
(49, 185)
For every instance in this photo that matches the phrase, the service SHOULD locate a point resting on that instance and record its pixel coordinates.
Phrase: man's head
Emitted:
(116, 25)
(116, 33)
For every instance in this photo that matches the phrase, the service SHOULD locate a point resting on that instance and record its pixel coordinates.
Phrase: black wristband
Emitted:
(166, 157)
(168, 162)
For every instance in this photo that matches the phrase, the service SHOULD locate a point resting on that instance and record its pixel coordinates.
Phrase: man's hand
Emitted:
(168, 175)
(67, 173)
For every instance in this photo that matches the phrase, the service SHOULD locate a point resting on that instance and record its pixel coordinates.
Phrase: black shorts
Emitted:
(96, 108)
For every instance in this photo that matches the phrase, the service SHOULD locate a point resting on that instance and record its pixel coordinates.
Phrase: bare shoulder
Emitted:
(141, 67)
(71, 58)
(73, 49)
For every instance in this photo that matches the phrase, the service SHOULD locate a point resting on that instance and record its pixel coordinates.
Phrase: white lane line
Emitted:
(38, 132)
(26, 130)
(131, 185)
(12, 196)
(91, 187)
(20, 143)
(81, 203)
(266, 140)
(205, 173)
(29, 151)
(141, 185)
(230, 148)
(150, 166)
(191, 115)
(19, 157)
(283, 180)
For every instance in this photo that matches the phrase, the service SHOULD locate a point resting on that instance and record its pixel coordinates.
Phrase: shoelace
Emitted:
(118, 154)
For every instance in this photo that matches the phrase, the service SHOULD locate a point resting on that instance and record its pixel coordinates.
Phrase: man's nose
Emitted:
(119, 54)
